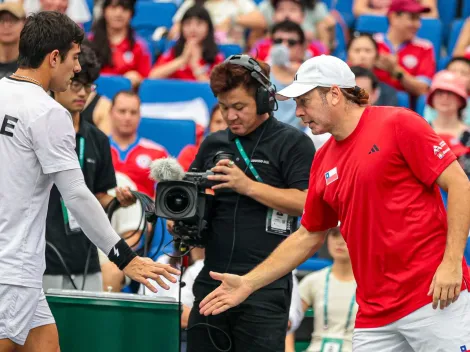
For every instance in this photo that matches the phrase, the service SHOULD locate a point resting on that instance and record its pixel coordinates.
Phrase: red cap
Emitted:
(455, 145)
(411, 6)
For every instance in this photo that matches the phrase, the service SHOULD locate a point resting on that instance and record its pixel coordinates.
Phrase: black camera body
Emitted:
(189, 204)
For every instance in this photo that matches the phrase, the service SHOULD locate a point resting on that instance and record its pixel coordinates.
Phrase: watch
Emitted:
(398, 75)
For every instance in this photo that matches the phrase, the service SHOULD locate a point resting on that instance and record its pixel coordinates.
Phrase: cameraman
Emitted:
(244, 229)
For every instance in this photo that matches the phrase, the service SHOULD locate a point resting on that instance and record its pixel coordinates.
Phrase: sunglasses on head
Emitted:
(290, 42)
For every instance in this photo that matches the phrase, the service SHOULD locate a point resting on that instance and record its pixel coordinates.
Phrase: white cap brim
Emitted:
(294, 90)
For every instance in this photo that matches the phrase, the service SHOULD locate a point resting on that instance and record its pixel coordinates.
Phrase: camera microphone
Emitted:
(166, 169)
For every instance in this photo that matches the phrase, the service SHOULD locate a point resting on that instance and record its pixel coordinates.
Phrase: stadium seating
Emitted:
(174, 92)
(344, 7)
(340, 50)
(403, 99)
(150, 15)
(454, 34)
(465, 8)
(174, 135)
(230, 49)
(109, 85)
(447, 11)
(443, 61)
(371, 24)
(420, 104)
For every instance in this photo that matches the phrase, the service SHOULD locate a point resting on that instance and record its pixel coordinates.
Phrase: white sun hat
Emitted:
(319, 71)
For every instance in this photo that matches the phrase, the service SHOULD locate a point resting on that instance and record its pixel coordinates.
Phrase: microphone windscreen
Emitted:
(166, 169)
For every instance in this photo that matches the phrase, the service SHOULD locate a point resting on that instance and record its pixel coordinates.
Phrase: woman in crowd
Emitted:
(195, 53)
(331, 292)
(216, 123)
(380, 7)
(118, 48)
(448, 97)
(362, 50)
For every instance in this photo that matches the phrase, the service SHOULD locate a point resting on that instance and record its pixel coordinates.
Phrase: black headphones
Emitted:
(266, 93)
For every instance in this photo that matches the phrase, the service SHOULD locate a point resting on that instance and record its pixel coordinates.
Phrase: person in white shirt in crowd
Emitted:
(331, 292)
(77, 10)
(37, 150)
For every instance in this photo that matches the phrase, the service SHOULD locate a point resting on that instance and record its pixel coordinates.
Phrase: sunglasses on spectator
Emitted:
(77, 86)
(290, 42)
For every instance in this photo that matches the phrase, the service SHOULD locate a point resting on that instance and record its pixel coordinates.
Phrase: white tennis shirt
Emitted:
(37, 139)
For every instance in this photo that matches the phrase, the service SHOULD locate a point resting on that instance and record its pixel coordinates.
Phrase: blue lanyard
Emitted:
(325, 306)
(247, 161)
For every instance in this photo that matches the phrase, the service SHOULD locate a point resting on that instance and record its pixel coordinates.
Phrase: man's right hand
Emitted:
(140, 269)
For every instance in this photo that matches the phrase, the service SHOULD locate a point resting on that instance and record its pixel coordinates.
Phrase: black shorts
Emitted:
(258, 324)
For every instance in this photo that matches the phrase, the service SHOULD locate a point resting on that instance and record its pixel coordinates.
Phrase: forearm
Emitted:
(458, 221)
(288, 201)
(104, 199)
(86, 209)
(414, 86)
(165, 70)
(253, 20)
(297, 248)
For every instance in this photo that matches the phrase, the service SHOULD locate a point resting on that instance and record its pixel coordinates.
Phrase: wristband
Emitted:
(121, 254)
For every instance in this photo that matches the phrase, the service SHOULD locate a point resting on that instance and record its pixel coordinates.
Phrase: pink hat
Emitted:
(450, 82)
(412, 6)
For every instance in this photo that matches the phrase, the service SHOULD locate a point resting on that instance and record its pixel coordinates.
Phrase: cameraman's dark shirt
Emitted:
(283, 159)
(99, 177)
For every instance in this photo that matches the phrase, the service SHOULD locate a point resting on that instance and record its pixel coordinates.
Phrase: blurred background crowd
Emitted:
(147, 91)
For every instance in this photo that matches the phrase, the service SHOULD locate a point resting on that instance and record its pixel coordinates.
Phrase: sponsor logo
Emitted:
(441, 150)
(143, 161)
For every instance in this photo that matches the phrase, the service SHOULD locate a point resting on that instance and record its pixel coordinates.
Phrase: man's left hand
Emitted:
(387, 62)
(446, 284)
(124, 196)
(232, 177)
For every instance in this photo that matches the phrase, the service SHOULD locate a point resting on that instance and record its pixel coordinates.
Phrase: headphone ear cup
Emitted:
(263, 101)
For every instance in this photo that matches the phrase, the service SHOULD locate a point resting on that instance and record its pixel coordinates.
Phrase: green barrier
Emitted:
(302, 345)
(114, 322)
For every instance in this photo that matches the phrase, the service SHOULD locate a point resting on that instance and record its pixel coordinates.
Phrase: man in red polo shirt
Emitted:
(380, 176)
(405, 62)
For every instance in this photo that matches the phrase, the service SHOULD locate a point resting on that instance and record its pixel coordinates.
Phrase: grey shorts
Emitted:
(21, 310)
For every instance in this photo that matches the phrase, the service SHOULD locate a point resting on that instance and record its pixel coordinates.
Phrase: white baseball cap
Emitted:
(319, 71)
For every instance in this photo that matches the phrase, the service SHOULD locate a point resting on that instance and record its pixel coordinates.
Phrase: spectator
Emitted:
(195, 52)
(363, 52)
(461, 67)
(230, 18)
(96, 112)
(287, 10)
(12, 17)
(313, 15)
(77, 10)
(380, 7)
(287, 54)
(118, 48)
(368, 80)
(331, 292)
(448, 96)
(71, 259)
(216, 123)
(462, 48)
(131, 157)
(405, 62)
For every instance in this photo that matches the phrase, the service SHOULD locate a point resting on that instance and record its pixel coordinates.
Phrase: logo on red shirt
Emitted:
(143, 161)
(464, 349)
(331, 176)
(438, 150)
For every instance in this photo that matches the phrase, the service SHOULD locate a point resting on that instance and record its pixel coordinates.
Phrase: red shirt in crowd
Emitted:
(262, 49)
(380, 183)
(187, 156)
(415, 57)
(134, 162)
(186, 72)
(126, 59)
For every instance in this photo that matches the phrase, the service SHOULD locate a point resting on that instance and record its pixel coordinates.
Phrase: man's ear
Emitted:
(335, 95)
(54, 58)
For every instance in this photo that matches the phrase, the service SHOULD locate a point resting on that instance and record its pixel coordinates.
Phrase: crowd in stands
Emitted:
(397, 66)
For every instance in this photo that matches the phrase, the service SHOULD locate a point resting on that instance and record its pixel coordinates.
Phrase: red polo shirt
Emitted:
(380, 182)
(415, 57)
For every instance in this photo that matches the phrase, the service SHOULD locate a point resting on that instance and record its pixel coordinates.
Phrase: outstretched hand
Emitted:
(232, 291)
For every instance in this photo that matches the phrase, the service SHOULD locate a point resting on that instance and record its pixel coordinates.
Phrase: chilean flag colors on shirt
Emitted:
(464, 349)
(331, 176)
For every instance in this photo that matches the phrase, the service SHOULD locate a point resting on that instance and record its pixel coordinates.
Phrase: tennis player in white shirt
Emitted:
(37, 149)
